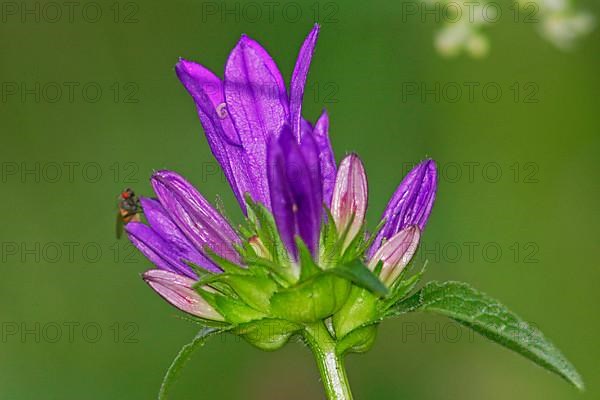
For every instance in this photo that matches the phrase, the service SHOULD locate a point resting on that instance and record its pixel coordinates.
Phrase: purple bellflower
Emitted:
(271, 154)
(302, 263)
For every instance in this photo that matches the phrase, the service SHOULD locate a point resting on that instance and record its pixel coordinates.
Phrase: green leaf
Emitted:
(181, 359)
(493, 320)
(360, 275)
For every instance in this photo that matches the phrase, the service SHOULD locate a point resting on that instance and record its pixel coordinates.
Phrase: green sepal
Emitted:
(201, 272)
(403, 286)
(360, 340)
(312, 300)
(245, 232)
(331, 254)
(359, 309)
(223, 263)
(354, 249)
(262, 266)
(328, 240)
(308, 268)
(377, 269)
(208, 323)
(255, 291)
(267, 334)
(360, 275)
(367, 243)
(233, 310)
(236, 311)
(266, 229)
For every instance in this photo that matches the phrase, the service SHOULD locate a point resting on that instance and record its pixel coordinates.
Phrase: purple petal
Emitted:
(156, 249)
(310, 153)
(300, 186)
(299, 79)
(178, 290)
(161, 223)
(207, 91)
(257, 102)
(326, 157)
(196, 218)
(305, 128)
(350, 197)
(411, 203)
(282, 202)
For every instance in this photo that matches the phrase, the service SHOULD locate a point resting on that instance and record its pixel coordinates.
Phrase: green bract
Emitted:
(273, 297)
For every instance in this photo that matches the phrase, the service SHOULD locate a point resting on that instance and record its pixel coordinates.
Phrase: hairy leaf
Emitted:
(491, 319)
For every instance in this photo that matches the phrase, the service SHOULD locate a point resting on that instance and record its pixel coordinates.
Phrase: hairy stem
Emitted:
(330, 363)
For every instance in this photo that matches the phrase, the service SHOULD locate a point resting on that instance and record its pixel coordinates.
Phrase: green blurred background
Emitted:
(517, 177)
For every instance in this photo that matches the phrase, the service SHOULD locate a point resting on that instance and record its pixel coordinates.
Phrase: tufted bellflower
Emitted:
(303, 264)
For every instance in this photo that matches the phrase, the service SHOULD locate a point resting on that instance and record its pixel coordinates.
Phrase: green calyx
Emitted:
(334, 303)
(272, 297)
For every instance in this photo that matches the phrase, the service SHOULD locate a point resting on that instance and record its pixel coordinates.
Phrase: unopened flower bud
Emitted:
(178, 290)
(350, 196)
(396, 253)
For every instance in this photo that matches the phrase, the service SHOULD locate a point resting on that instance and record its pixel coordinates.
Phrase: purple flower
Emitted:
(242, 113)
(411, 203)
(286, 166)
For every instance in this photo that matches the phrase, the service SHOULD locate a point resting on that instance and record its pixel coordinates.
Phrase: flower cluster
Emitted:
(303, 263)
(304, 254)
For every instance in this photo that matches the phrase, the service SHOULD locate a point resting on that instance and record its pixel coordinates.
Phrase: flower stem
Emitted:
(330, 363)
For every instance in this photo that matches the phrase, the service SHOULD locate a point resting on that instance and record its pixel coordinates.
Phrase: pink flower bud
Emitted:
(350, 195)
(396, 253)
(177, 290)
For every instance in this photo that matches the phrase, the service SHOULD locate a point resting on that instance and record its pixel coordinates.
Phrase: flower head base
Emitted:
(303, 249)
